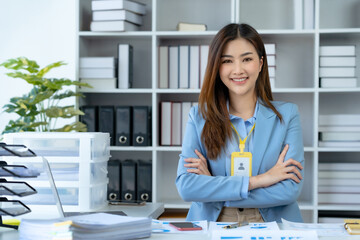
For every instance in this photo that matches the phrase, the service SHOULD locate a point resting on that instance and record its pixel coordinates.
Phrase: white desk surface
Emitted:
(7, 234)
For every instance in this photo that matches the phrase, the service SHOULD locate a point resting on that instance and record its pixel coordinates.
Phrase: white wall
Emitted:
(41, 30)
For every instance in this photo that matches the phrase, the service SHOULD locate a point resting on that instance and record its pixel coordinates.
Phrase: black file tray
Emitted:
(14, 188)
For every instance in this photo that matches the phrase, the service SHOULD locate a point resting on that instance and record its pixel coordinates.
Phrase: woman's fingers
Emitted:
(283, 153)
(293, 169)
(293, 177)
(293, 162)
(200, 155)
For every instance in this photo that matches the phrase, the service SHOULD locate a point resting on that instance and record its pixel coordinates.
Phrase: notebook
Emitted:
(57, 198)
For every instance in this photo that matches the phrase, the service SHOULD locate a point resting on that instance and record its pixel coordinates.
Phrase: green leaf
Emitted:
(31, 79)
(67, 94)
(41, 96)
(21, 63)
(46, 69)
(63, 112)
(76, 126)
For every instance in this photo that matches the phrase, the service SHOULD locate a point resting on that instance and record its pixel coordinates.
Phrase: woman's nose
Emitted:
(238, 68)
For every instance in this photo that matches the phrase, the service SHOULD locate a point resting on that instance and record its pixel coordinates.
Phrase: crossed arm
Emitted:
(280, 185)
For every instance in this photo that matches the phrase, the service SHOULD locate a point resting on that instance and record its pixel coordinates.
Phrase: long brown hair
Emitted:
(214, 94)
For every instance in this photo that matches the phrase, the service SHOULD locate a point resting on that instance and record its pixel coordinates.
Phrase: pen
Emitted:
(235, 225)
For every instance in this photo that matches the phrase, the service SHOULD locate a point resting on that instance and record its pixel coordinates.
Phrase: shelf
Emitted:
(177, 91)
(352, 149)
(175, 204)
(115, 34)
(339, 207)
(131, 148)
(289, 31)
(168, 149)
(340, 30)
(306, 206)
(296, 81)
(130, 90)
(292, 90)
(338, 90)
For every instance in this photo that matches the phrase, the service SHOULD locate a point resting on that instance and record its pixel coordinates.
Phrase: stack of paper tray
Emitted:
(79, 165)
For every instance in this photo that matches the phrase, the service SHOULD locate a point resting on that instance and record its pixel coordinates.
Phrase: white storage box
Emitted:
(86, 146)
(78, 162)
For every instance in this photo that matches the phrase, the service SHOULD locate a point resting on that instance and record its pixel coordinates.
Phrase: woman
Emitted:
(235, 105)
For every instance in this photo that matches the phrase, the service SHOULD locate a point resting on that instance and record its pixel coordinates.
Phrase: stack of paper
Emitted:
(89, 226)
(337, 66)
(116, 15)
(99, 72)
(339, 183)
(339, 130)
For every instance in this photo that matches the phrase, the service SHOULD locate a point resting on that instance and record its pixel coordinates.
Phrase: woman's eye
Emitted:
(226, 61)
(247, 59)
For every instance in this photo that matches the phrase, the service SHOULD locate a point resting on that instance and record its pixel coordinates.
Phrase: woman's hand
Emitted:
(282, 170)
(197, 165)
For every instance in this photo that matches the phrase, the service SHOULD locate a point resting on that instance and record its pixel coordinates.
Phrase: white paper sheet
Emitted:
(268, 235)
(322, 229)
(251, 226)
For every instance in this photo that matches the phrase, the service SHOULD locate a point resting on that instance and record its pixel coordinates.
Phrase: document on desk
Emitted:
(159, 226)
(237, 233)
(251, 226)
(322, 229)
(90, 227)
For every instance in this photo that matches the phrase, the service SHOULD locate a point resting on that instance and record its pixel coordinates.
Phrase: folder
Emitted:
(106, 121)
(89, 118)
(352, 226)
(144, 180)
(113, 189)
(123, 126)
(165, 134)
(128, 181)
(125, 66)
(141, 126)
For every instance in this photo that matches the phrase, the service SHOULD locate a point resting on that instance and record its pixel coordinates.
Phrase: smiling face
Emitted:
(240, 66)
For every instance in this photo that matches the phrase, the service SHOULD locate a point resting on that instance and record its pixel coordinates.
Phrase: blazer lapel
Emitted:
(265, 121)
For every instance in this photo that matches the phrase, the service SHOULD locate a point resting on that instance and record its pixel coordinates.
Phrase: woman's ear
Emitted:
(261, 63)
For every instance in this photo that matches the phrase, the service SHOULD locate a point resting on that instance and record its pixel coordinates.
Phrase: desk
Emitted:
(151, 210)
(7, 234)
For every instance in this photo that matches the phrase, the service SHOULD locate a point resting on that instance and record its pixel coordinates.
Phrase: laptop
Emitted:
(57, 197)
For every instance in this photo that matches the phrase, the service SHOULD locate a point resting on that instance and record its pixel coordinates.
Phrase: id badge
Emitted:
(241, 164)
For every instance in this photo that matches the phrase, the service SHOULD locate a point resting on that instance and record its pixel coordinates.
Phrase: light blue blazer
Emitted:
(208, 193)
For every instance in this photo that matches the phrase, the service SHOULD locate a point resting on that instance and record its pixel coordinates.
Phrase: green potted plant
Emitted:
(39, 109)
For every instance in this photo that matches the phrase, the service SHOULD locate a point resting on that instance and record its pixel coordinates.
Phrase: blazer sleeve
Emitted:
(286, 191)
(201, 188)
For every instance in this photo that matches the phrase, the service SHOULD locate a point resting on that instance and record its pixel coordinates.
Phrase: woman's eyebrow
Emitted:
(242, 55)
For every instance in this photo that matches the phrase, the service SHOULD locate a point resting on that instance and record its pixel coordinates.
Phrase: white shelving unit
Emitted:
(297, 55)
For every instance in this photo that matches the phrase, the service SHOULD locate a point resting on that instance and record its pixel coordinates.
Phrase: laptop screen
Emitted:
(53, 187)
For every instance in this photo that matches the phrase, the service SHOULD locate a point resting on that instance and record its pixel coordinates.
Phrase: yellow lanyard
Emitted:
(242, 142)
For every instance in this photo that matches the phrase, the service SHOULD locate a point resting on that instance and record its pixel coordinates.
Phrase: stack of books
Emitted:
(339, 130)
(108, 73)
(174, 117)
(182, 66)
(339, 183)
(270, 53)
(337, 67)
(116, 15)
(89, 226)
(99, 72)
